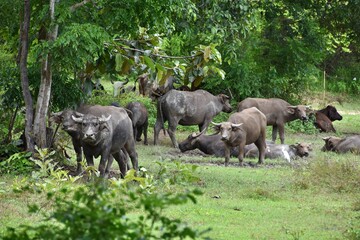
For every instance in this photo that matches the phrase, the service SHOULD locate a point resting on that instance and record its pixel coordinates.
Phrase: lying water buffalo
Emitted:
(139, 119)
(277, 112)
(107, 135)
(188, 108)
(284, 151)
(342, 145)
(208, 144)
(325, 117)
(242, 128)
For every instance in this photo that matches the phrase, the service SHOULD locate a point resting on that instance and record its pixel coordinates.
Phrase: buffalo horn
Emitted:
(216, 124)
(77, 119)
(104, 119)
(236, 125)
(195, 135)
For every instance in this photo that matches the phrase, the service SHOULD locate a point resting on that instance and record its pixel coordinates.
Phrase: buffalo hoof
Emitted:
(138, 139)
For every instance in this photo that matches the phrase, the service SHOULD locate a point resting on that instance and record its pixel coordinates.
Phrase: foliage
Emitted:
(17, 163)
(108, 206)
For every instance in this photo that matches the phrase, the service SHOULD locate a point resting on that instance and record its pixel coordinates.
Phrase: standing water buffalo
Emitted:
(112, 135)
(188, 108)
(139, 119)
(242, 128)
(277, 112)
(325, 117)
(342, 145)
(284, 151)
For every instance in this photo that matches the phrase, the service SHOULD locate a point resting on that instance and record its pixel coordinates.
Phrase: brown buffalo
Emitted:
(325, 117)
(277, 112)
(342, 145)
(242, 128)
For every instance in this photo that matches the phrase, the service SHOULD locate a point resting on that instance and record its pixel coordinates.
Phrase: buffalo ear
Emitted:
(56, 117)
(216, 127)
(291, 109)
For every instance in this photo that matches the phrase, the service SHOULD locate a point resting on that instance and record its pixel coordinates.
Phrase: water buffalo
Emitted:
(277, 112)
(242, 128)
(323, 123)
(74, 130)
(331, 113)
(325, 117)
(342, 145)
(118, 86)
(208, 144)
(188, 108)
(144, 85)
(284, 151)
(107, 135)
(139, 119)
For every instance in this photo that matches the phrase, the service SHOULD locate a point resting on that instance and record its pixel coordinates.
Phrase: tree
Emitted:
(24, 76)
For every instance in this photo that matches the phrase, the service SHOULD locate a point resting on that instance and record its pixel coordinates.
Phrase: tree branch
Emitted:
(80, 4)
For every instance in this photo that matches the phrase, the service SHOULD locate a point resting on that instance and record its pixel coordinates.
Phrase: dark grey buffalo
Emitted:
(283, 151)
(188, 108)
(242, 128)
(208, 144)
(107, 135)
(342, 145)
(113, 134)
(139, 119)
(277, 112)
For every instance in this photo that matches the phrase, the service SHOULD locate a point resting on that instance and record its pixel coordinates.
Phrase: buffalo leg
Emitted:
(282, 133)
(145, 128)
(121, 158)
(261, 145)
(158, 126)
(171, 131)
(227, 155)
(137, 133)
(130, 149)
(241, 153)
(274, 133)
(78, 151)
(105, 159)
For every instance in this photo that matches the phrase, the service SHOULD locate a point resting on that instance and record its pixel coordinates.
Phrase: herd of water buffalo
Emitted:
(111, 131)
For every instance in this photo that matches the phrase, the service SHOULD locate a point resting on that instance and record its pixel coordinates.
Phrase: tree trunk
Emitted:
(43, 100)
(24, 45)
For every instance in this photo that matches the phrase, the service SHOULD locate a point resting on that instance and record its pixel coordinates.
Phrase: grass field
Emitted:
(312, 198)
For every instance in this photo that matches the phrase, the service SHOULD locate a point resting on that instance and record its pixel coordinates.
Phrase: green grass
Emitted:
(313, 198)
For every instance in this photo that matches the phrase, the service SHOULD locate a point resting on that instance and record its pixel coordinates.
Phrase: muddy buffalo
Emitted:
(188, 108)
(242, 128)
(342, 145)
(283, 151)
(277, 112)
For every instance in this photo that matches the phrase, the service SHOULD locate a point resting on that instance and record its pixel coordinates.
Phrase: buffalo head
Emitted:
(299, 111)
(224, 99)
(91, 127)
(191, 142)
(65, 118)
(225, 129)
(333, 113)
(330, 143)
(302, 149)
